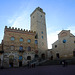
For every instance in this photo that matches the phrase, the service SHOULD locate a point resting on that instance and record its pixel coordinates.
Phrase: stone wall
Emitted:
(65, 45)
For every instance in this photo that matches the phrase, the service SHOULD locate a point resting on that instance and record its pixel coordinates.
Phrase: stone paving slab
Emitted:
(40, 70)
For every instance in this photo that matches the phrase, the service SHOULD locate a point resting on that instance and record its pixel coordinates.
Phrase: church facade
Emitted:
(64, 47)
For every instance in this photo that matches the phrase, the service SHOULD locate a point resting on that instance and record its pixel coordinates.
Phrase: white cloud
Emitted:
(20, 21)
(52, 37)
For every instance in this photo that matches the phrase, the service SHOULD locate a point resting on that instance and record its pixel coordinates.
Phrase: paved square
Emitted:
(40, 70)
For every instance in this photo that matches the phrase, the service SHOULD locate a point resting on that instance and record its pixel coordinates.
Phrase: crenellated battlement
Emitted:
(12, 29)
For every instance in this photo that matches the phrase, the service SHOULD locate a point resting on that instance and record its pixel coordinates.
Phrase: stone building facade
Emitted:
(38, 24)
(64, 47)
(19, 46)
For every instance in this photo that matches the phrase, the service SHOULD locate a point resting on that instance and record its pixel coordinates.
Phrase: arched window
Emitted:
(36, 36)
(28, 57)
(36, 42)
(55, 46)
(36, 56)
(12, 47)
(42, 32)
(20, 57)
(29, 40)
(12, 38)
(21, 39)
(64, 41)
(29, 48)
(42, 37)
(21, 48)
(43, 56)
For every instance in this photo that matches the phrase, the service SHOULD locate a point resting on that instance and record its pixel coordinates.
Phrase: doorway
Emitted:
(73, 53)
(28, 57)
(57, 55)
(20, 63)
(36, 56)
(11, 57)
(43, 56)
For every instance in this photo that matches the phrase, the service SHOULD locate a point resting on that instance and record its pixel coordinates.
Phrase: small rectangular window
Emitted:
(12, 38)
(21, 39)
(36, 42)
(42, 32)
(20, 48)
(55, 46)
(36, 36)
(12, 47)
(42, 37)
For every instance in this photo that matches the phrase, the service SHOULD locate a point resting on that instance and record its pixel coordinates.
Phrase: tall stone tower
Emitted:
(38, 24)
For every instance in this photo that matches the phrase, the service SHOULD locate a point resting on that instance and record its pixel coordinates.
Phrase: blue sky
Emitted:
(60, 14)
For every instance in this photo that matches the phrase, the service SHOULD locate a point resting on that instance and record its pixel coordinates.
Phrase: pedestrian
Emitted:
(66, 63)
(63, 63)
(28, 64)
(34, 65)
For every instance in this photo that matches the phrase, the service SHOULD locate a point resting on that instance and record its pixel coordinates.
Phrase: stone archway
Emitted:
(57, 55)
(11, 59)
(43, 56)
(28, 57)
(20, 61)
(36, 56)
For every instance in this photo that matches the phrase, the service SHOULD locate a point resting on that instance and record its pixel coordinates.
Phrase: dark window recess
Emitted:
(36, 56)
(28, 57)
(42, 32)
(73, 53)
(36, 42)
(42, 37)
(41, 15)
(36, 36)
(74, 41)
(29, 48)
(64, 41)
(55, 46)
(33, 16)
(57, 55)
(20, 48)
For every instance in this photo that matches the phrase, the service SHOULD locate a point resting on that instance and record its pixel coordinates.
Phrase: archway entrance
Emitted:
(73, 53)
(20, 61)
(11, 58)
(28, 57)
(36, 56)
(43, 56)
(57, 55)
